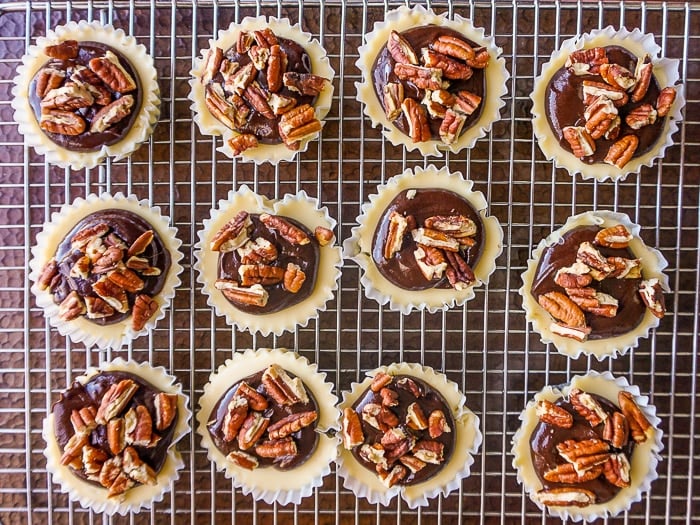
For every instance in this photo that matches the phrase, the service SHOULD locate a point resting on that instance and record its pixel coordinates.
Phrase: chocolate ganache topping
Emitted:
(406, 429)
(262, 88)
(110, 266)
(428, 238)
(266, 419)
(115, 430)
(582, 447)
(430, 81)
(266, 262)
(606, 105)
(87, 96)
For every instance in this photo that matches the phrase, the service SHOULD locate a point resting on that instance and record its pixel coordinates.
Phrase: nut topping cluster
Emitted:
(606, 457)
(446, 59)
(106, 279)
(253, 79)
(400, 438)
(260, 267)
(440, 243)
(608, 101)
(252, 425)
(581, 280)
(126, 427)
(79, 98)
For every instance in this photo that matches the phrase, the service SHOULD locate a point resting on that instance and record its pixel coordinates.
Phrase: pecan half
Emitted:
(580, 140)
(600, 117)
(616, 430)
(74, 448)
(256, 400)
(593, 90)
(63, 51)
(252, 430)
(276, 64)
(459, 273)
(575, 276)
(286, 229)
(451, 126)
(280, 104)
(379, 381)
(62, 123)
(69, 97)
(282, 388)
(579, 333)
(641, 116)
(291, 424)
(421, 77)
(144, 308)
(293, 278)
(431, 261)
(298, 124)
(236, 414)
(49, 271)
(140, 432)
(587, 407)
(256, 97)
(437, 424)
(305, 83)
(392, 99)
(640, 428)
(563, 309)
(617, 470)
(395, 234)
(211, 64)
(613, 237)
(390, 398)
(643, 74)
(127, 279)
(324, 236)
(374, 454)
(466, 102)
(417, 119)
(277, 448)
(112, 114)
(621, 152)
(566, 473)
(259, 56)
(71, 307)
(93, 459)
(255, 295)
(48, 79)
(136, 468)
(618, 76)
(265, 37)
(587, 61)
(244, 41)
(548, 412)
(653, 297)
(429, 451)
(263, 274)
(90, 81)
(400, 49)
(587, 254)
(115, 399)
(166, 409)
(97, 308)
(352, 435)
(112, 73)
(220, 108)
(625, 268)
(243, 460)
(453, 47)
(481, 59)
(451, 69)
(665, 101)
(233, 234)
(415, 418)
(259, 251)
(584, 454)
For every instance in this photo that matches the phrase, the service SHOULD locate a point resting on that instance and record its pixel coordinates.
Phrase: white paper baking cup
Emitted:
(81, 329)
(652, 262)
(403, 19)
(366, 484)
(210, 125)
(666, 73)
(644, 460)
(94, 496)
(268, 483)
(303, 209)
(140, 62)
(359, 246)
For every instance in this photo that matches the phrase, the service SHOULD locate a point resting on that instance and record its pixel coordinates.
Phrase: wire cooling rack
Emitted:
(486, 346)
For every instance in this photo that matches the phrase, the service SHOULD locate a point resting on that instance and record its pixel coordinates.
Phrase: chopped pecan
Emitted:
(259, 251)
(625, 268)
(81, 239)
(429, 451)
(400, 49)
(351, 429)
(256, 401)
(614, 129)
(390, 398)
(255, 295)
(618, 76)
(127, 279)
(112, 73)
(49, 271)
(453, 47)
(413, 463)
(466, 102)
(641, 116)
(579, 333)
(395, 234)
(138, 264)
(48, 79)
(115, 435)
(243, 460)
(408, 384)
(643, 74)
(621, 152)
(97, 308)
(415, 418)
(583, 297)
(481, 59)
(616, 430)
(653, 297)
(236, 414)
(454, 225)
(613, 237)
(86, 79)
(280, 104)
(298, 124)
(305, 83)
(95, 249)
(451, 126)
(379, 381)
(245, 40)
(220, 108)
(282, 388)
(263, 274)
(83, 420)
(112, 114)
(396, 443)
(421, 77)
(293, 278)
(640, 428)
(587, 407)
(252, 430)
(265, 37)
(451, 69)
(259, 56)
(617, 470)
(563, 309)
(374, 454)
(587, 61)
(139, 427)
(593, 90)
(276, 64)
(62, 122)
(584, 454)
(277, 448)
(211, 64)
(115, 399)
(241, 79)
(74, 447)
(575, 276)
(665, 101)
(257, 98)
(591, 257)
(417, 119)
(108, 260)
(435, 109)
(286, 229)
(93, 459)
(437, 424)
(233, 234)
(566, 473)
(580, 140)
(370, 413)
(111, 469)
(607, 305)
(392, 98)
(81, 268)
(324, 236)
(65, 50)
(435, 238)
(459, 273)
(71, 307)
(166, 409)
(600, 117)
(431, 261)
(136, 468)
(144, 308)
(394, 476)
(291, 424)
(548, 412)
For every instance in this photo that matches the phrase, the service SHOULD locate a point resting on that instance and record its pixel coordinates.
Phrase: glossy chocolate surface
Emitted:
(420, 37)
(91, 394)
(631, 309)
(430, 400)
(306, 439)
(564, 106)
(298, 61)
(546, 437)
(88, 141)
(305, 256)
(128, 226)
(402, 269)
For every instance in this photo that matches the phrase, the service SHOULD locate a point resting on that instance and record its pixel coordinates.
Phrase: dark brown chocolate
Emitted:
(545, 456)
(564, 107)
(305, 256)
(420, 37)
(88, 141)
(128, 226)
(306, 439)
(402, 269)
(631, 309)
(90, 395)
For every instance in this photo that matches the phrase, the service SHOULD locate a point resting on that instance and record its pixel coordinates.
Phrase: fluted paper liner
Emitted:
(94, 496)
(140, 62)
(403, 19)
(467, 440)
(210, 125)
(644, 460)
(666, 72)
(652, 262)
(359, 246)
(270, 484)
(300, 207)
(82, 329)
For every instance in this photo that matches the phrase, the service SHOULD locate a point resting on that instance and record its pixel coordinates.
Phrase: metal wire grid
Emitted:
(485, 346)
